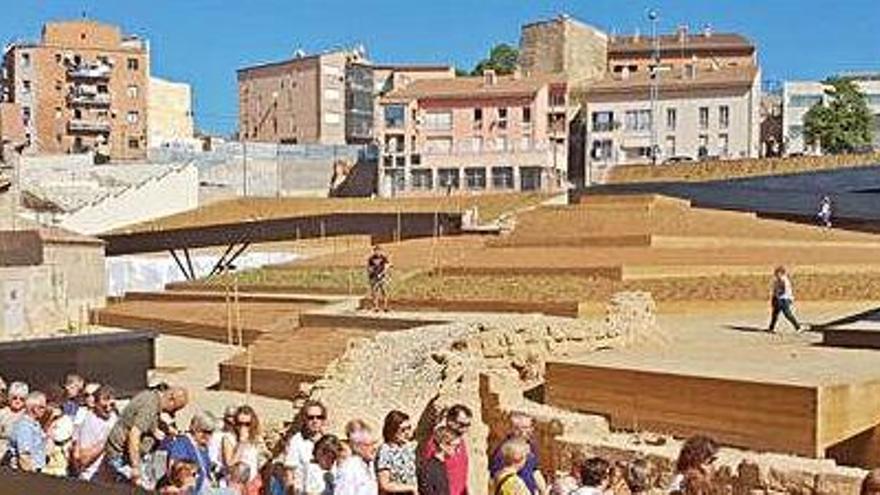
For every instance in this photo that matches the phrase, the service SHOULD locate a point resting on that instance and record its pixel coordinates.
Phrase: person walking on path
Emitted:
(781, 300)
(378, 267)
(824, 214)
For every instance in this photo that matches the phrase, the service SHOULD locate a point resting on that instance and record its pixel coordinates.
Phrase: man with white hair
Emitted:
(522, 427)
(9, 415)
(27, 444)
(357, 475)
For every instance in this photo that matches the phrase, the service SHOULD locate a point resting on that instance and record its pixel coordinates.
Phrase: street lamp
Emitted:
(655, 83)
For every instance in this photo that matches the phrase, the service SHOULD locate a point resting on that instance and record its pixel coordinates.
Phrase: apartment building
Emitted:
(799, 96)
(169, 114)
(701, 115)
(296, 101)
(327, 98)
(82, 87)
(474, 134)
(702, 100)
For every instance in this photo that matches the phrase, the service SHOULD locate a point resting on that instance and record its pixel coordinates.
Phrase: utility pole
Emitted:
(655, 85)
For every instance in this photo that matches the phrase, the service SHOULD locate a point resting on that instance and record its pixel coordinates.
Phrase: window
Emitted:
(557, 99)
(133, 64)
(26, 115)
(526, 115)
(25, 60)
(670, 146)
(77, 114)
(332, 118)
(26, 87)
(103, 89)
(804, 101)
(525, 142)
(397, 180)
(331, 94)
(478, 117)
(104, 60)
(132, 91)
(530, 178)
(422, 179)
(703, 148)
(638, 120)
(502, 118)
(448, 178)
(501, 143)
(603, 149)
(502, 177)
(603, 121)
(477, 144)
(440, 146)
(704, 117)
(438, 121)
(724, 116)
(671, 119)
(132, 117)
(394, 116)
(58, 113)
(475, 178)
(58, 85)
(723, 144)
(134, 143)
(57, 58)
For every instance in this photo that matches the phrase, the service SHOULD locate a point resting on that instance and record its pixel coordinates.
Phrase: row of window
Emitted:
(132, 90)
(641, 120)
(475, 178)
(395, 118)
(603, 149)
(474, 144)
(130, 63)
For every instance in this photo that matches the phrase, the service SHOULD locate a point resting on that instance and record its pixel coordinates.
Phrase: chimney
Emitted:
(707, 30)
(489, 77)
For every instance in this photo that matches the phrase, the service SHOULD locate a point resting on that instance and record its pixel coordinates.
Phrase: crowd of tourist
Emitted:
(76, 431)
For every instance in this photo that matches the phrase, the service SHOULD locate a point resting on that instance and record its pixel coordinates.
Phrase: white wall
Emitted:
(167, 194)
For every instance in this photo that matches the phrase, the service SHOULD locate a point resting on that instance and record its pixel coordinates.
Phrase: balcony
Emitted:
(91, 71)
(89, 100)
(87, 126)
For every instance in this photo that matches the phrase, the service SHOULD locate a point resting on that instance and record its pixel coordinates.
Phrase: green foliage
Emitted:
(844, 124)
(503, 58)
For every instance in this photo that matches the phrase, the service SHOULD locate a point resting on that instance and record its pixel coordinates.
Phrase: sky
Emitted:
(203, 42)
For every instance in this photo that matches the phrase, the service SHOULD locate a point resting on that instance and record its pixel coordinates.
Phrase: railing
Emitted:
(88, 126)
(101, 99)
(89, 71)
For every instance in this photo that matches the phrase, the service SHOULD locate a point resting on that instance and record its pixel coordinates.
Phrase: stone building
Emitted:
(82, 87)
(169, 114)
(474, 134)
(49, 280)
(563, 46)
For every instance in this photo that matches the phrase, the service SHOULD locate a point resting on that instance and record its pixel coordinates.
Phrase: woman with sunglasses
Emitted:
(396, 459)
(247, 448)
(10, 414)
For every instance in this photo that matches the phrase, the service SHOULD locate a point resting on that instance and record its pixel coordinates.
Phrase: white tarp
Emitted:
(152, 272)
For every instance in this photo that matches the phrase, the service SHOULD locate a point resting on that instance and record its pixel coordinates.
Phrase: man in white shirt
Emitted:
(91, 435)
(356, 475)
(300, 447)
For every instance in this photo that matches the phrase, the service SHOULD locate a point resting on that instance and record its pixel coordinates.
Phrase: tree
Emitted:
(844, 123)
(503, 59)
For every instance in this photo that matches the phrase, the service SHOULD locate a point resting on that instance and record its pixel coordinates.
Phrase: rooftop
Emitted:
(621, 45)
(470, 87)
(731, 77)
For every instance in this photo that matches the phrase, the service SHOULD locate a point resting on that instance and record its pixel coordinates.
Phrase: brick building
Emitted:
(82, 87)
(474, 134)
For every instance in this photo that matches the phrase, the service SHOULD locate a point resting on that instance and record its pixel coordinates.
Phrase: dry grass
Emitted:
(490, 206)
